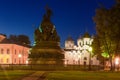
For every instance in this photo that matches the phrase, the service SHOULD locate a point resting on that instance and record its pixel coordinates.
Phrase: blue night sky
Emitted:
(71, 17)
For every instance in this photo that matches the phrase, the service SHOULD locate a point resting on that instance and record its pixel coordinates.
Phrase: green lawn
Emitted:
(13, 75)
(63, 75)
(79, 75)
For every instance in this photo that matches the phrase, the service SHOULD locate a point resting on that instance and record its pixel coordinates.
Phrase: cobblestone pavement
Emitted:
(36, 76)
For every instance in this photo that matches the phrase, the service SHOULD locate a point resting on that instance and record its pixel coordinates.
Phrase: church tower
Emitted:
(69, 43)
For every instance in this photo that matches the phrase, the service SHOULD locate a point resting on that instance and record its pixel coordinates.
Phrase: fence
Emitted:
(45, 67)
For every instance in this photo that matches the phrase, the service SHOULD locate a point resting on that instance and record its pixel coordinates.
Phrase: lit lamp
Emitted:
(26, 61)
(19, 56)
(90, 50)
(117, 62)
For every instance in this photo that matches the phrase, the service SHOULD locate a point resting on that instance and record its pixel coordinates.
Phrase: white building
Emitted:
(80, 54)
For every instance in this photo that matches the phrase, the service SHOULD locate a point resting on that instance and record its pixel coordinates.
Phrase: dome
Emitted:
(86, 35)
(69, 38)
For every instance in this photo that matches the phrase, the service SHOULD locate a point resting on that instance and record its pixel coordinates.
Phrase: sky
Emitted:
(70, 17)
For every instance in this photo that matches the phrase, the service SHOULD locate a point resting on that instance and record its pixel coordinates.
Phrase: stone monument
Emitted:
(46, 49)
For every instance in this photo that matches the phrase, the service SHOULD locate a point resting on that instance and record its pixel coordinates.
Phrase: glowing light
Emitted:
(27, 62)
(90, 49)
(106, 55)
(117, 61)
(19, 55)
(74, 52)
(40, 29)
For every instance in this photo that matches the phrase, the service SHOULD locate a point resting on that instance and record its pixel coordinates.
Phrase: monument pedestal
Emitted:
(46, 52)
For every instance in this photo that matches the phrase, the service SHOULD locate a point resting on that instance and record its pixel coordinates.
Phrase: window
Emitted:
(8, 51)
(97, 58)
(15, 51)
(86, 43)
(69, 45)
(80, 44)
(91, 61)
(2, 51)
(84, 63)
(85, 58)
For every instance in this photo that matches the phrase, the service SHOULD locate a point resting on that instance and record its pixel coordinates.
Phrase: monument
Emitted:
(46, 49)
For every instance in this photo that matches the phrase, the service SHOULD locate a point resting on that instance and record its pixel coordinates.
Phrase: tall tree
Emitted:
(13, 38)
(23, 39)
(96, 48)
(108, 30)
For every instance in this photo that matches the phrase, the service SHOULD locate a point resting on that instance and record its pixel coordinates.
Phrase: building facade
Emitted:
(80, 54)
(11, 53)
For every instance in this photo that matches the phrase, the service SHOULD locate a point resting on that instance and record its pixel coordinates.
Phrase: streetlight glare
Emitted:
(19, 55)
(117, 61)
(90, 49)
(27, 62)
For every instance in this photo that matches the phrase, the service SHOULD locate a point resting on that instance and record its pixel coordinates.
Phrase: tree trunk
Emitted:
(111, 65)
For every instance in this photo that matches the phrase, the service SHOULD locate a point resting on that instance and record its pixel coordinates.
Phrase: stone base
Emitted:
(46, 53)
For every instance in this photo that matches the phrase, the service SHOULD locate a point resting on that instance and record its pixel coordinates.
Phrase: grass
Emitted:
(13, 75)
(63, 75)
(82, 75)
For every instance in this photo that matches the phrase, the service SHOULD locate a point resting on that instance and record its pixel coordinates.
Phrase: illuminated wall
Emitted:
(79, 54)
(13, 54)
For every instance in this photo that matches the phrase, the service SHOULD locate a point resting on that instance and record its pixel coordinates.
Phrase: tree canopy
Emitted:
(108, 30)
(20, 39)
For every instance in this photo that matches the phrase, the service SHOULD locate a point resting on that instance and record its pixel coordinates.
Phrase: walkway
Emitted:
(36, 76)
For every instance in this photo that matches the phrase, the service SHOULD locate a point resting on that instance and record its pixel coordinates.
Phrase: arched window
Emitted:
(15, 51)
(85, 58)
(8, 51)
(84, 63)
(2, 51)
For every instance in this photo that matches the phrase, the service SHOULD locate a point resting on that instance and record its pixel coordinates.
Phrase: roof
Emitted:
(69, 38)
(7, 41)
(86, 35)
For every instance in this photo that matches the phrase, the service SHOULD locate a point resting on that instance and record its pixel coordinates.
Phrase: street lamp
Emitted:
(117, 63)
(90, 50)
(26, 61)
(19, 56)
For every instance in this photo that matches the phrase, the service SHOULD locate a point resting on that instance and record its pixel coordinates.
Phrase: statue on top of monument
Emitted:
(48, 14)
(46, 30)
(46, 49)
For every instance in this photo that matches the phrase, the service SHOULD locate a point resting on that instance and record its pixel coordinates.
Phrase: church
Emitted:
(80, 54)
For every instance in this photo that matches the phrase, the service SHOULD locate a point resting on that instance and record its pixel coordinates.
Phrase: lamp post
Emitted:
(90, 51)
(117, 63)
(19, 56)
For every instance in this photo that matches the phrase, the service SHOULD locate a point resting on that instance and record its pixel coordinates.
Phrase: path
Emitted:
(36, 76)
